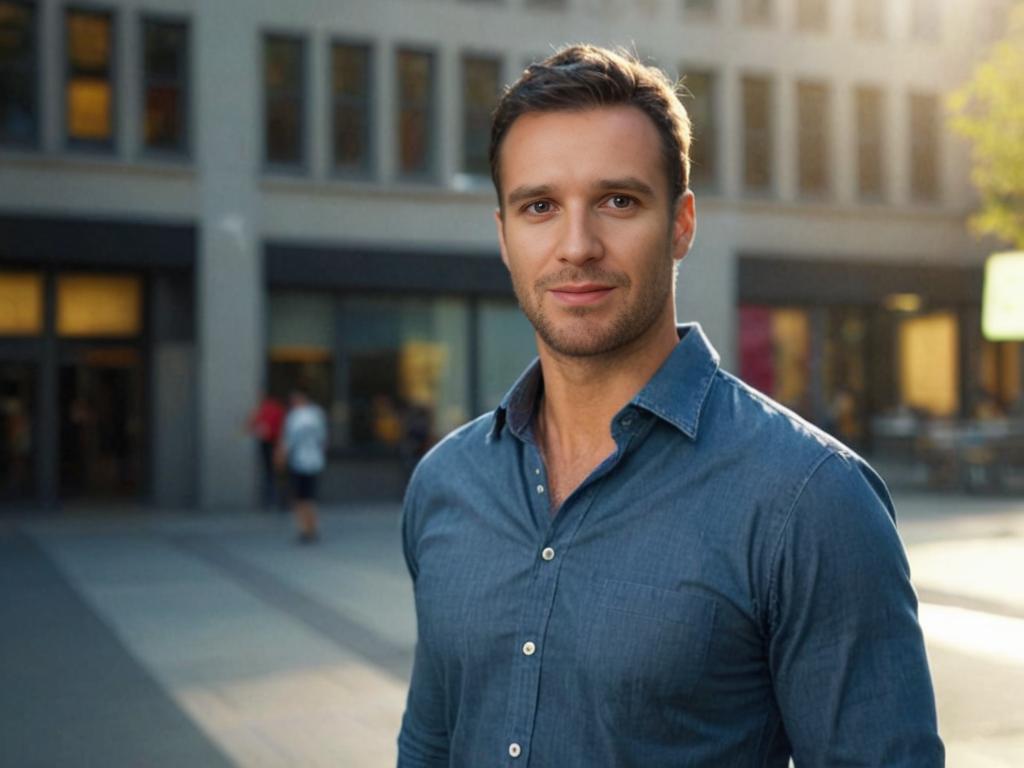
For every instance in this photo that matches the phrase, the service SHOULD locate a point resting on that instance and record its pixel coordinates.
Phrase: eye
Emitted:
(539, 207)
(621, 202)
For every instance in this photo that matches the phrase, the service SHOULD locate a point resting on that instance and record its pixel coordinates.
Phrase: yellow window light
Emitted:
(1002, 305)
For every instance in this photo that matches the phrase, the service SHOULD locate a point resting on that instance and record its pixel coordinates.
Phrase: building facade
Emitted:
(202, 200)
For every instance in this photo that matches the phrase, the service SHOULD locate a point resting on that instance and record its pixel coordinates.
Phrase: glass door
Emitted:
(18, 382)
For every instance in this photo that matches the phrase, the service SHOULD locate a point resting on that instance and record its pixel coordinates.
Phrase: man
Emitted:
(302, 451)
(637, 560)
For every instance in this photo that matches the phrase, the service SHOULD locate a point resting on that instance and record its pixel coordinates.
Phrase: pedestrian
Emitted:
(264, 423)
(636, 559)
(302, 452)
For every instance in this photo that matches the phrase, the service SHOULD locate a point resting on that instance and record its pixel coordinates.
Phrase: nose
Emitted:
(581, 240)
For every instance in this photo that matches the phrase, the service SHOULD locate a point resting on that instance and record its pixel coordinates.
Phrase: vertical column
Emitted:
(48, 406)
(385, 105)
(897, 144)
(127, 82)
(52, 60)
(318, 75)
(447, 113)
(229, 290)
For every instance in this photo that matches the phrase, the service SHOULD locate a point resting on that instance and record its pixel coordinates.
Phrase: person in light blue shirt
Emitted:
(303, 445)
(637, 560)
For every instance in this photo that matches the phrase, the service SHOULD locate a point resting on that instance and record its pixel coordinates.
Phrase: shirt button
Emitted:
(540, 489)
(514, 749)
(536, 471)
(548, 553)
(529, 648)
(627, 420)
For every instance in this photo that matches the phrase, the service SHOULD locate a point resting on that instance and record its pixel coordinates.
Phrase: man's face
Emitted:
(587, 230)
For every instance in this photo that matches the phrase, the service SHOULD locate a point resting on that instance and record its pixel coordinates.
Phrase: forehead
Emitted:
(582, 146)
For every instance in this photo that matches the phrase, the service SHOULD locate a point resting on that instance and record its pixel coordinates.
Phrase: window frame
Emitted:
(769, 131)
(465, 56)
(91, 146)
(34, 72)
(431, 171)
(184, 149)
(368, 168)
(299, 166)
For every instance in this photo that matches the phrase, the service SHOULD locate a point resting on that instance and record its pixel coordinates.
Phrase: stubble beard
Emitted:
(585, 334)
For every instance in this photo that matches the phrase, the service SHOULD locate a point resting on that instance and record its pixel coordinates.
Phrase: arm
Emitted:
(846, 652)
(423, 741)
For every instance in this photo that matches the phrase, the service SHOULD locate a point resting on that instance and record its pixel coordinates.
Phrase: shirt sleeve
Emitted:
(846, 651)
(423, 741)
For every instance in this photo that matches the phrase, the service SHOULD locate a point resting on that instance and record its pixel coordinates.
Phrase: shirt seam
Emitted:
(815, 466)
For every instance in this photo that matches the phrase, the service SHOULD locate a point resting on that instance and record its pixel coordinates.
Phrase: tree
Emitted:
(989, 111)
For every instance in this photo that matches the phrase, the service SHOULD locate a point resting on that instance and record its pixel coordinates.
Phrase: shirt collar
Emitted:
(676, 393)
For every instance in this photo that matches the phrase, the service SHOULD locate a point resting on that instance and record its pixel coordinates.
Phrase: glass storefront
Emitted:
(394, 373)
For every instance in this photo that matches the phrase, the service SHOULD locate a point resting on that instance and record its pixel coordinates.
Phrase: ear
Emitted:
(684, 225)
(500, 223)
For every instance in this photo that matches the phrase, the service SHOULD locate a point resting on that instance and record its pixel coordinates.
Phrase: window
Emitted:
(869, 19)
(756, 11)
(165, 86)
(89, 95)
(415, 114)
(99, 305)
(481, 80)
(924, 147)
(19, 112)
(700, 9)
(703, 147)
(925, 20)
(284, 92)
(758, 135)
(21, 303)
(812, 15)
(870, 108)
(352, 108)
(507, 344)
(813, 126)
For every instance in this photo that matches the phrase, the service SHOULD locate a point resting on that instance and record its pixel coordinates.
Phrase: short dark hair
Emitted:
(580, 77)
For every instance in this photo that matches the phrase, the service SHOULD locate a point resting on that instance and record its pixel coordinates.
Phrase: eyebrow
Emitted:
(627, 183)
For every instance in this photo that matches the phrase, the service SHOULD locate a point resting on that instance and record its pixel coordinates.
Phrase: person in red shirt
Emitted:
(265, 424)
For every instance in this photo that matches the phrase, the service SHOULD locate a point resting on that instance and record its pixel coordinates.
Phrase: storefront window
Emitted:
(99, 305)
(929, 363)
(301, 345)
(507, 345)
(775, 345)
(21, 304)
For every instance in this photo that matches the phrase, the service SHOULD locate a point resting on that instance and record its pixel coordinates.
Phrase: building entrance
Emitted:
(18, 381)
(101, 445)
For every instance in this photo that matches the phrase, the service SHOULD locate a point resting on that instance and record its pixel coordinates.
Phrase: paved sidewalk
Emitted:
(191, 640)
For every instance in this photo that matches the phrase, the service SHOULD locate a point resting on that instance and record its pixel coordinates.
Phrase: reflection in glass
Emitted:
(350, 84)
(415, 113)
(166, 47)
(90, 94)
(18, 111)
(283, 76)
(481, 80)
(929, 363)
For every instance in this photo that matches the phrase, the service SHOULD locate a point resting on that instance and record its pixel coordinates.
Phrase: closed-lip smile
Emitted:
(581, 293)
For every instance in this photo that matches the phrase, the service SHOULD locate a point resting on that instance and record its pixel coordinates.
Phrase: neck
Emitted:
(583, 394)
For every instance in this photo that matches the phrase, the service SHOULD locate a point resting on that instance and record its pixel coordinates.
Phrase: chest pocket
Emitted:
(647, 645)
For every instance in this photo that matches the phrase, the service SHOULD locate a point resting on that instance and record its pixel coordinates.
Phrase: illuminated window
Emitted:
(165, 85)
(284, 91)
(869, 19)
(813, 138)
(758, 136)
(415, 114)
(353, 115)
(775, 348)
(90, 79)
(21, 304)
(481, 80)
(924, 147)
(99, 305)
(19, 114)
(929, 363)
(870, 107)
(702, 86)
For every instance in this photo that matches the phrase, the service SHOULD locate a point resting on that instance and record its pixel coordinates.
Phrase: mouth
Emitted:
(581, 294)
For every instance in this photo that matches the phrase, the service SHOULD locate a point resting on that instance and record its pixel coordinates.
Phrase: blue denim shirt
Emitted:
(726, 589)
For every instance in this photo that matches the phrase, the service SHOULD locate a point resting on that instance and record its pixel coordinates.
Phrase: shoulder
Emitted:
(454, 453)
